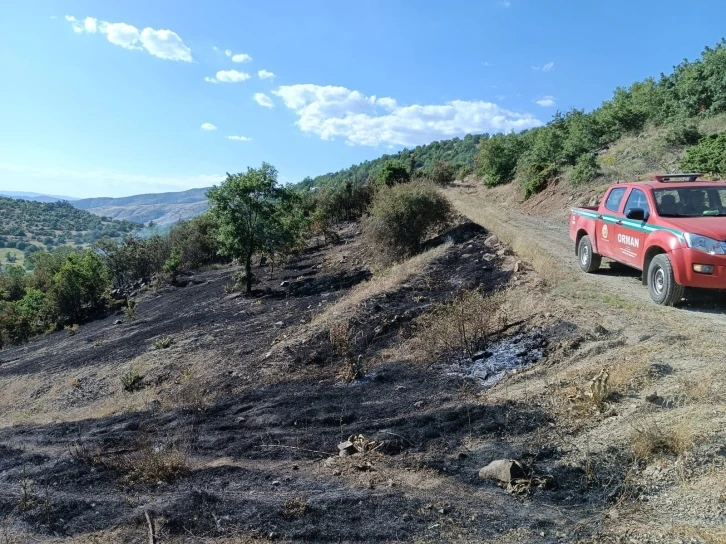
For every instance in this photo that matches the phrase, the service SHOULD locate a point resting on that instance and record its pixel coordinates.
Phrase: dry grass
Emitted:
(629, 372)
(650, 439)
(150, 464)
(294, 508)
(463, 326)
(384, 281)
(495, 219)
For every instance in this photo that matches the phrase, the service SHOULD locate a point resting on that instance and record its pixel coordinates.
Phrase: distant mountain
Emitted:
(161, 208)
(35, 197)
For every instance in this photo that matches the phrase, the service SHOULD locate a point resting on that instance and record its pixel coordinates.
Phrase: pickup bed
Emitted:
(672, 228)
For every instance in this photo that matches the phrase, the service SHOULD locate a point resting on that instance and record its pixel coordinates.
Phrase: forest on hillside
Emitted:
(671, 110)
(458, 153)
(27, 226)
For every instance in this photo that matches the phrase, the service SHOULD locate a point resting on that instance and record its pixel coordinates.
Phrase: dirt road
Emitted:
(618, 284)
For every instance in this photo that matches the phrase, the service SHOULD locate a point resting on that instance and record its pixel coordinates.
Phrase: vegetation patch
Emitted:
(402, 217)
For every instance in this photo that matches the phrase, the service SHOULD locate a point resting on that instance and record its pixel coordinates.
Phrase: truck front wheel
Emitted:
(588, 259)
(661, 282)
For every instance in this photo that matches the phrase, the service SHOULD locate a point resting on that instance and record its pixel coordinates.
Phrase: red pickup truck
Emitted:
(672, 228)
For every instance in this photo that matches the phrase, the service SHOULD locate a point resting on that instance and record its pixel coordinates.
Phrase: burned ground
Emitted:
(249, 394)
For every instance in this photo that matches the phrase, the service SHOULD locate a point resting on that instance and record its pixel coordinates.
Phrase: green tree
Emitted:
(244, 206)
(709, 156)
(78, 287)
(392, 173)
(442, 173)
(496, 160)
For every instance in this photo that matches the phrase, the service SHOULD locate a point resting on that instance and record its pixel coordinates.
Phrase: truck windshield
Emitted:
(690, 201)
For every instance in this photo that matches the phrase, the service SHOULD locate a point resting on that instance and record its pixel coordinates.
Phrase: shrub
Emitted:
(150, 464)
(585, 169)
(163, 343)
(131, 381)
(535, 176)
(683, 132)
(173, 264)
(71, 329)
(649, 439)
(463, 326)
(401, 217)
(708, 156)
(130, 309)
(392, 173)
(442, 173)
(464, 171)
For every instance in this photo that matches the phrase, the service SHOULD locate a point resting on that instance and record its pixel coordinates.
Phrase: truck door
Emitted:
(630, 234)
(605, 223)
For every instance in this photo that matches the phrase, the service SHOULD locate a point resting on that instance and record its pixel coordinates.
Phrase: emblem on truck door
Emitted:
(604, 231)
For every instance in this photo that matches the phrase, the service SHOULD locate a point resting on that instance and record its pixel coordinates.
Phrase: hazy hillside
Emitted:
(161, 208)
(36, 197)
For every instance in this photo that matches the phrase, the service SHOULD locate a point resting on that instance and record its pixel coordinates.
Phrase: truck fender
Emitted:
(657, 243)
(582, 231)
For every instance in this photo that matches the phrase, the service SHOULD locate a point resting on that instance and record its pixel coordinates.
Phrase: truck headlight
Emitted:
(701, 243)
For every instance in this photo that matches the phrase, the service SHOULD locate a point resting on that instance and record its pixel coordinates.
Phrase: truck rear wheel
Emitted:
(661, 282)
(588, 259)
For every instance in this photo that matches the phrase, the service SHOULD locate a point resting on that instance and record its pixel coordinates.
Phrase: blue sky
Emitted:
(110, 98)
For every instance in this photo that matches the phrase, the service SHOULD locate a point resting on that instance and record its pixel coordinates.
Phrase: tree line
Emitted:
(251, 215)
(571, 141)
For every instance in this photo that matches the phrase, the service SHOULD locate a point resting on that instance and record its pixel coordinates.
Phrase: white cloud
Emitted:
(228, 76)
(263, 100)
(264, 74)
(215, 48)
(239, 138)
(505, 3)
(546, 101)
(241, 57)
(208, 126)
(90, 25)
(121, 34)
(228, 52)
(330, 112)
(544, 68)
(164, 44)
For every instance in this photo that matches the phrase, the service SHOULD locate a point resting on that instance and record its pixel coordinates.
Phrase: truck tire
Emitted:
(588, 259)
(661, 282)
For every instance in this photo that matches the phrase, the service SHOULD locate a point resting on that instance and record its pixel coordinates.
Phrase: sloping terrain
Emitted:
(161, 208)
(673, 373)
(236, 405)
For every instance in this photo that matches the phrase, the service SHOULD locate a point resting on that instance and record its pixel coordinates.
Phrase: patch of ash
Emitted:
(490, 366)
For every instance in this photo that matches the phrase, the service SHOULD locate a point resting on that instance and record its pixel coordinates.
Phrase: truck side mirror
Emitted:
(637, 214)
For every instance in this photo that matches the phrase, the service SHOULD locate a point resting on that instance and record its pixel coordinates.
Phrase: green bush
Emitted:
(173, 264)
(401, 217)
(442, 173)
(464, 171)
(496, 161)
(535, 176)
(586, 169)
(708, 156)
(392, 173)
(683, 132)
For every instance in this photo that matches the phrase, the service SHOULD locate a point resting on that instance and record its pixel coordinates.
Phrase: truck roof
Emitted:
(655, 184)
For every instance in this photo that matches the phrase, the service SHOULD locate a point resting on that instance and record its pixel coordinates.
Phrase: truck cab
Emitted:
(673, 228)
